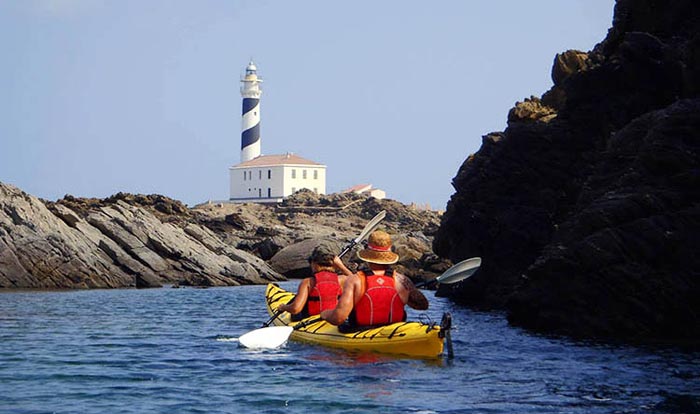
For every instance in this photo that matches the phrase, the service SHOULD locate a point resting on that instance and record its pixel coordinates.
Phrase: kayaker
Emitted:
(322, 290)
(377, 295)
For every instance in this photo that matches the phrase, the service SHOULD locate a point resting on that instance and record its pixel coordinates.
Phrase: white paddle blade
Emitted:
(370, 226)
(460, 271)
(266, 338)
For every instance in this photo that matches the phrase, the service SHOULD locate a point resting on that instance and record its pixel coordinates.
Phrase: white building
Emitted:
(270, 178)
(367, 190)
(267, 178)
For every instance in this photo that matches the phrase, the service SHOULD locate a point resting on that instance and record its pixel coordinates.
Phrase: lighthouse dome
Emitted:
(251, 68)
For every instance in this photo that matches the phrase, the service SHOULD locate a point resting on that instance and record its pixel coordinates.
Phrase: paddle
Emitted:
(369, 228)
(273, 337)
(456, 273)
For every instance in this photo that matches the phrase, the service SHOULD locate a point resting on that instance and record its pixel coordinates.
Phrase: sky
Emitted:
(98, 96)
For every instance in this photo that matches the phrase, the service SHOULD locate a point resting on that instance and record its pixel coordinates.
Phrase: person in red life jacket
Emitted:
(376, 296)
(322, 290)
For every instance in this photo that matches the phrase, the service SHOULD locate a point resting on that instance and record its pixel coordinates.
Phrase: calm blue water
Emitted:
(175, 351)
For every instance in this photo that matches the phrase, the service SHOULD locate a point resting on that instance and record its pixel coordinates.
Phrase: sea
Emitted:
(176, 351)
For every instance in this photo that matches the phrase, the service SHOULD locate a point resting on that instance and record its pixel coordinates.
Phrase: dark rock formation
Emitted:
(588, 223)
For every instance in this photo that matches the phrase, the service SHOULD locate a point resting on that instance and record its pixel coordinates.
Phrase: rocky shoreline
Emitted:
(586, 209)
(149, 240)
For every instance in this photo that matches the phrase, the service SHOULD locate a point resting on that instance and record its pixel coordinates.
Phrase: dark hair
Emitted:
(322, 255)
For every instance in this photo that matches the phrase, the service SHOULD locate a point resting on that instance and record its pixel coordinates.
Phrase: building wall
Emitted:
(377, 193)
(297, 177)
(256, 182)
(275, 182)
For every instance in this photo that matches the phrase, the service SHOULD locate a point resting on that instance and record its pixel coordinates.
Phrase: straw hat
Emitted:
(378, 249)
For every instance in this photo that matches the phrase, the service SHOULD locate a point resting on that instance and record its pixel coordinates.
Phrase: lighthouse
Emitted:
(250, 124)
(267, 178)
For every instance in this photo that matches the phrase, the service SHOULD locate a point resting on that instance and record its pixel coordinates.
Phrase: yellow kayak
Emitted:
(404, 338)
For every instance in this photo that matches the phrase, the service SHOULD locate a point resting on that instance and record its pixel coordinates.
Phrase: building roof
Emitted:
(359, 188)
(275, 160)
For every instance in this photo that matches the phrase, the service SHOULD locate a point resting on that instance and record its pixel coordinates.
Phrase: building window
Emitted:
(315, 174)
(294, 173)
(259, 192)
(294, 190)
(315, 190)
(259, 174)
(269, 192)
(303, 174)
(269, 174)
(244, 173)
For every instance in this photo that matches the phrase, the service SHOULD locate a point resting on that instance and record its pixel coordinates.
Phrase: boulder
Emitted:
(531, 109)
(293, 260)
(567, 64)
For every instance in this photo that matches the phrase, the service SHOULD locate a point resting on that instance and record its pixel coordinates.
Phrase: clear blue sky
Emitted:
(99, 96)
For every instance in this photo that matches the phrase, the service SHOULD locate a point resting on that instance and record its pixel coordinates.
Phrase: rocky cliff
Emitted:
(112, 243)
(586, 208)
(146, 241)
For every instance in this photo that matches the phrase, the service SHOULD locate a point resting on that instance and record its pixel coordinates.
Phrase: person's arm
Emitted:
(338, 264)
(345, 303)
(299, 300)
(411, 295)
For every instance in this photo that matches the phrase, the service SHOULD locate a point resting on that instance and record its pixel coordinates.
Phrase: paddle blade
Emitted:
(370, 226)
(460, 271)
(266, 338)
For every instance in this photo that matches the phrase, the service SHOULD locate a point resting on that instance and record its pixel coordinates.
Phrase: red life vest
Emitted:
(380, 304)
(324, 294)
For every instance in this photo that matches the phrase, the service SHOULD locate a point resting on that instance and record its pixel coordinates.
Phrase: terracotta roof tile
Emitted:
(280, 159)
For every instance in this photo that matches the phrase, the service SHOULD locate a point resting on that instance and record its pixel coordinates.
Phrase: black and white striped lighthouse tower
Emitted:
(250, 126)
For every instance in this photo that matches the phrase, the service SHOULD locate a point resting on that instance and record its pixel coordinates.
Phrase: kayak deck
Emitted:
(404, 338)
